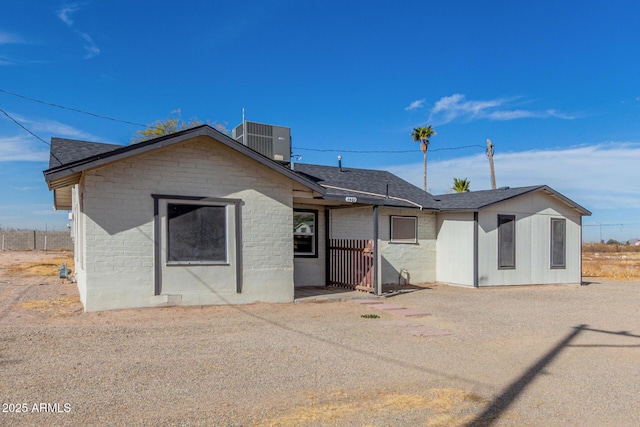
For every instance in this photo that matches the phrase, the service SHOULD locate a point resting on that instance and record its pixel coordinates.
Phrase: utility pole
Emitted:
(490, 150)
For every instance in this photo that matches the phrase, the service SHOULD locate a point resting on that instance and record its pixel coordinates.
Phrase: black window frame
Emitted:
(195, 261)
(314, 235)
(553, 264)
(392, 218)
(503, 220)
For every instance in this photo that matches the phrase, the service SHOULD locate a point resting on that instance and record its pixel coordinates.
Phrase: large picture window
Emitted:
(196, 233)
(305, 233)
(558, 243)
(404, 229)
(506, 242)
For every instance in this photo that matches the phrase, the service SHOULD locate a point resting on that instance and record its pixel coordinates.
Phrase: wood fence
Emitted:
(351, 264)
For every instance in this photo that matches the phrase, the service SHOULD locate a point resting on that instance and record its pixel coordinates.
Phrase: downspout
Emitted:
(580, 258)
(475, 250)
(157, 268)
(376, 280)
(327, 246)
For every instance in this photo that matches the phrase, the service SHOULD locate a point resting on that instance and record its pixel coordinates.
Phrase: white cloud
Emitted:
(602, 176)
(419, 103)
(65, 14)
(17, 148)
(457, 107)
(9, 38)
(52, 128)
(89, 46)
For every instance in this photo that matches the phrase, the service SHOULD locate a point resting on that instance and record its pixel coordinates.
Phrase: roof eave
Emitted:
(58, 172)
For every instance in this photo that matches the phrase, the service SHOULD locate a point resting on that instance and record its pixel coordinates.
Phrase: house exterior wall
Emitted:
(310, 271)
(78, 236)
(119, 227)
(455, 248)
(405, 262)
(408, 262)
(533, 242)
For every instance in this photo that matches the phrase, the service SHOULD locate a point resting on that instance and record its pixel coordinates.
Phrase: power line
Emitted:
(71, 109)
(31, 133)
(381, 151)
(20, 124)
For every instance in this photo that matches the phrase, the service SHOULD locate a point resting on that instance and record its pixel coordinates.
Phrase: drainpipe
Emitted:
(376, 280)
(475, 250)
(327, 251)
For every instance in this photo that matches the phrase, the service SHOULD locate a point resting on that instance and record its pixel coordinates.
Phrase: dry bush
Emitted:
(63, 306)
(602, 248)
(46, 267)
(447, 407)
(614, 262)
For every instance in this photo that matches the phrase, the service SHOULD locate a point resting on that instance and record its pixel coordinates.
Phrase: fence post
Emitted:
(35, 242)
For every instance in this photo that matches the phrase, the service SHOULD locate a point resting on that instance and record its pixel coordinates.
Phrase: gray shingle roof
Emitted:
(65, 151)
(68, 156)
(476, 200)
(367, 184)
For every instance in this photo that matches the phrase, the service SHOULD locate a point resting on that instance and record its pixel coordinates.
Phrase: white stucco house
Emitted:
(198, 218)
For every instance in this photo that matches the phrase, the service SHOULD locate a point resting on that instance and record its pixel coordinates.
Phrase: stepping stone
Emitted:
(426, 331)
(408, 312)
(385, 306)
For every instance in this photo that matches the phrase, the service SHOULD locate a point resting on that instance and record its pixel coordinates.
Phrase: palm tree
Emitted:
(461, 185)
(423, 134)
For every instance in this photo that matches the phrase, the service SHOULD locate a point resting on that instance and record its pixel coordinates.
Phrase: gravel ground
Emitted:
(526, 356)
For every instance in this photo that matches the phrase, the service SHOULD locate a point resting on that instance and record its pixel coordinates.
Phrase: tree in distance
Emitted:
(461, 185)
(423, 134)
(171, 125)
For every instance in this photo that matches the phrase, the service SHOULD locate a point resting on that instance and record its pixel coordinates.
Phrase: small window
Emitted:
(305, 233)
(404, 229)
(196, 233)
(558, 246)
(506, 242)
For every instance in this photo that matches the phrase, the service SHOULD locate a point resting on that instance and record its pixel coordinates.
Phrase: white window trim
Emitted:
(314, 235)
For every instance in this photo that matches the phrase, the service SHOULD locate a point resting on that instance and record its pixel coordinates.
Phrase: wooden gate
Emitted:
(351, 264)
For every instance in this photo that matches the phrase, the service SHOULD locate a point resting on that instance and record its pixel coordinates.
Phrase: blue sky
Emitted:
(555, 86)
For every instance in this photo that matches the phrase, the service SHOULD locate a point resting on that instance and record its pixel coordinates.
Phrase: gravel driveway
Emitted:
(526, 356)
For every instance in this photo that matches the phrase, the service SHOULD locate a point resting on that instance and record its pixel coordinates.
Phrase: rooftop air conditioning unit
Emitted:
(271, 141)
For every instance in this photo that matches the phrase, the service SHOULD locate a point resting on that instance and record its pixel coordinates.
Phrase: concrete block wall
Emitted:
(27, 240)
(418, 260)
(119, 222)
(352, 223)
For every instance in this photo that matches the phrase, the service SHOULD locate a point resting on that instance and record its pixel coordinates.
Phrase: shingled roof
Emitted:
(368, 186)
(65, 151)
(68, 158)
(477, 200)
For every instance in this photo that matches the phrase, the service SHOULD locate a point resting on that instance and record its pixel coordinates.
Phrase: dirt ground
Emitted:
(516, 356)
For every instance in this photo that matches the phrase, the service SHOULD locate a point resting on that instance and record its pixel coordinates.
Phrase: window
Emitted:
(305, 233)
(404, 229)
(506, 242)
(196, 233)
(558, 246)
